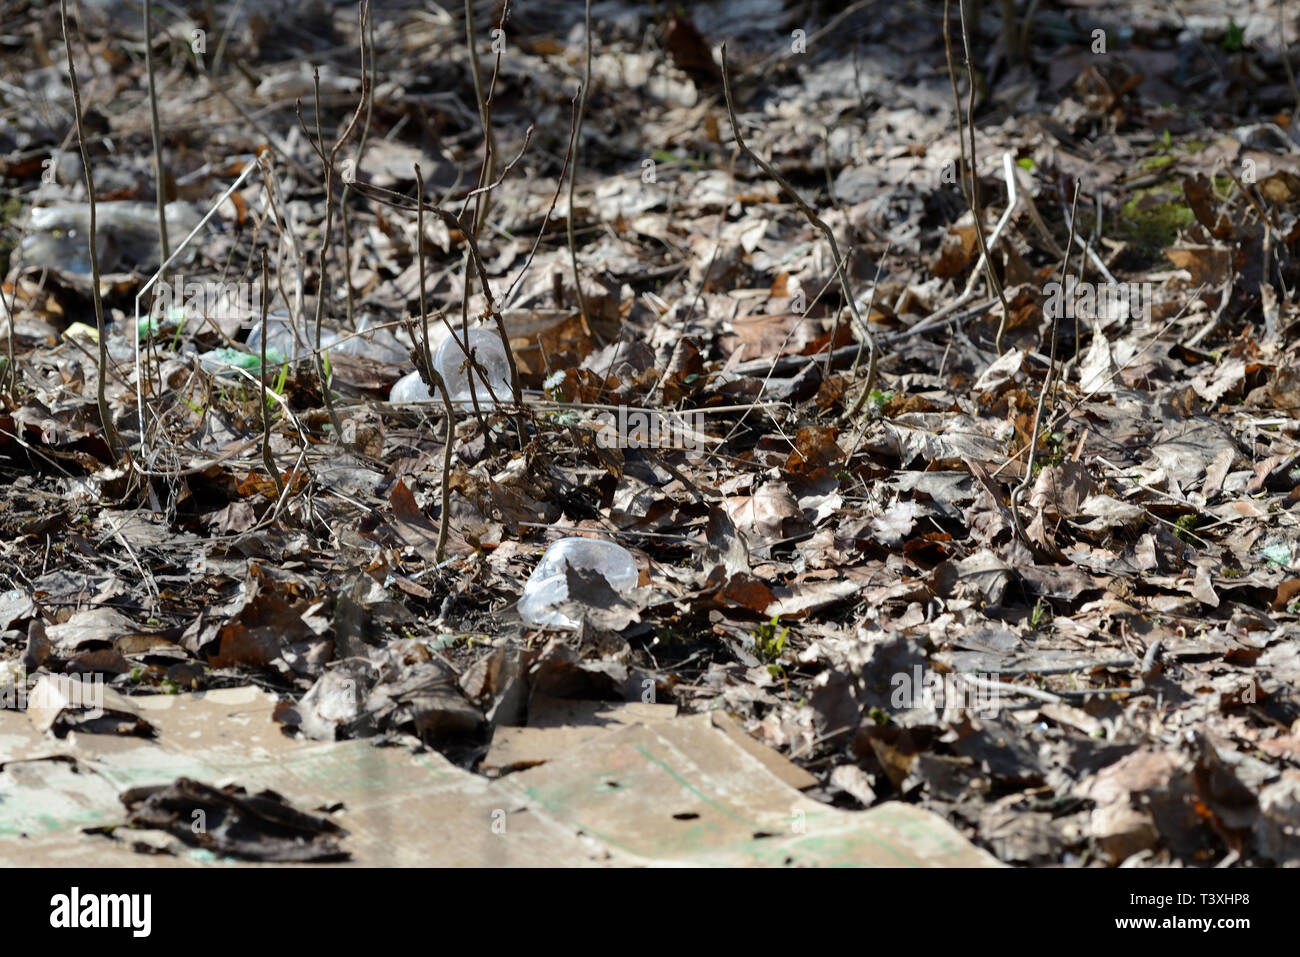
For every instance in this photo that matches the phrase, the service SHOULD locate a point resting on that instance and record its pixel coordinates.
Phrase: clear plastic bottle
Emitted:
(373, 342)
(453, 366)
(409, 388)
(546, 586)
(282, 338)
(126, 235)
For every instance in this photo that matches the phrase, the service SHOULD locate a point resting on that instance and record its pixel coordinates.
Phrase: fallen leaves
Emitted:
(811, 567)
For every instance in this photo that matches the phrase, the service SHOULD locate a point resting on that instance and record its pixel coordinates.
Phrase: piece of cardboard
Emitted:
(783, 768)
(641, 787)
(401, 808)
(558, 725)
(682, 793)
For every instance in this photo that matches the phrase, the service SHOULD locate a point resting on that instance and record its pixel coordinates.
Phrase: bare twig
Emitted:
(1042, 396)
(398, 201)
(938, 317)
(267, 458)
(433, 379)
(871, 304)
(559, 185)
(347, 180)
(448, 439)
(974, 197)
(573, 171)
(159, 175)
(330, 165)
(9, 380)
(489, 141)
(426, 367)
(864, 331)
(105, 417)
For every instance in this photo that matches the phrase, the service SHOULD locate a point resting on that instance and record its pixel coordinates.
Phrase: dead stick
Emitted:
(863, 330)
(267, 459)
(105, 417)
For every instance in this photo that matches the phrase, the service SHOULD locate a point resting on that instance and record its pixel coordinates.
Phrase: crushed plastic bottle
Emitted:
(547, 587)
(283, 340)
(453, 366)
(409, 388)
(378, 344)
(126, 236)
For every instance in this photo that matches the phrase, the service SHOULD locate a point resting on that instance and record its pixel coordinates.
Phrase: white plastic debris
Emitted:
(284, 337)
(369, 342)
(453, 366)
(409, 388)
(126, 235)
(547, 587)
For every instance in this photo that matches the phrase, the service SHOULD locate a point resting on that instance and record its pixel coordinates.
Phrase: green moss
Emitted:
(10, 212)
(1185, 528)
(11, 209)
(1153, 218)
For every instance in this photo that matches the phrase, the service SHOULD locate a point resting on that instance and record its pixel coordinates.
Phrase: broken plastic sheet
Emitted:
(637, 788)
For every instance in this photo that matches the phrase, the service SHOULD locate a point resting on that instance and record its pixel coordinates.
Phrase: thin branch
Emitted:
(347, 182)
(864, 330)
(559, 184)
(433, 379)
(573, 172)
(489, 141)
(159, 174)
(267, 458)
(330, 165)
(9, 380)
(115, 443)
(875, 286)
(1042, 397)
(994, 282)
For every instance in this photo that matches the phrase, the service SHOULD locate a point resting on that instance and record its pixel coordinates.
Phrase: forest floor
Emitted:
(1022, 555)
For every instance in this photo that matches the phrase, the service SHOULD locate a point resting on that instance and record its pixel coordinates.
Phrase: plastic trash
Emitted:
(547, 587)
(453, 366)
(409, 388)
(378, 344)
(282, 339)
(126, 236)
(172, 320)
(221, 360)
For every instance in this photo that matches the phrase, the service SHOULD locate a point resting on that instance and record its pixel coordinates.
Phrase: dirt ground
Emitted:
(983, 506)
